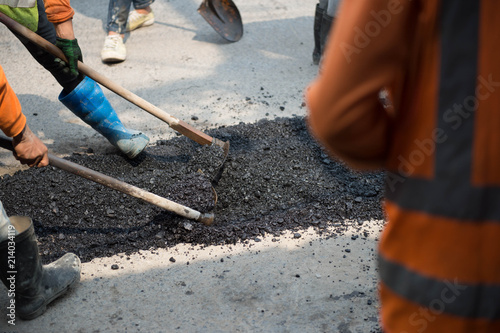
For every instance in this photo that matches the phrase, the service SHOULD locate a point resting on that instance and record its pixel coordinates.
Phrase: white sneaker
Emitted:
(113, 50)
(136, 20)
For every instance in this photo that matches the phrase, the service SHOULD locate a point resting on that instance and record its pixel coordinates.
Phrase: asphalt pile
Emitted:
(276, 178)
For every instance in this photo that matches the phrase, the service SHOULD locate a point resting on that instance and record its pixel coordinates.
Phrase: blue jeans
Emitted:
(118, 13)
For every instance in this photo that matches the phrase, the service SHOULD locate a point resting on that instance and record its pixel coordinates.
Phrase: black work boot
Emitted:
(35, 285)
(318, 17)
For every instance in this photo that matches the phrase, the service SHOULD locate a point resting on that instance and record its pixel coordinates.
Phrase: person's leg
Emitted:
(114, 50)
(89, 103)
(131, 142)
(141, 16)
(142, 4)
(318, 18)
(327, 21)
(326, 11)
(46, 30)
(323, 4)
(333, 6)
(118, 11)
(21, 269)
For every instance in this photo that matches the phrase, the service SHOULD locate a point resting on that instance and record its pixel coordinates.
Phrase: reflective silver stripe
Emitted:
(450, 192)
(19, 3)
(471, 301)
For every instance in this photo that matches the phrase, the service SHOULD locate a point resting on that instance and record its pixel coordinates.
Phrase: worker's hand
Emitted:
(72, 52)
(29, 149)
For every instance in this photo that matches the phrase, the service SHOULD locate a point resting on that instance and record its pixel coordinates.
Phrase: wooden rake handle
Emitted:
(176, 124)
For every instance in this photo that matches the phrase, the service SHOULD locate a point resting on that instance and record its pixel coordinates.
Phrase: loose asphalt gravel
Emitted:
(275, 178)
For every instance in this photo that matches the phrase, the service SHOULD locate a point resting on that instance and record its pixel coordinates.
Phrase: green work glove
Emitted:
(72, 52)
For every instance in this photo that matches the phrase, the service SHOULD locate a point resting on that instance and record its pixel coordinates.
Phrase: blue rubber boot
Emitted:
(88, 102)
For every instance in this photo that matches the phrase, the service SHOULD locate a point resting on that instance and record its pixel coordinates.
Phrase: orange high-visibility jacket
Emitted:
(12, 120)
(439, 255)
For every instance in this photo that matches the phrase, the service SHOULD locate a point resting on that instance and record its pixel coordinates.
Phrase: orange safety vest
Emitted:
(439, 255)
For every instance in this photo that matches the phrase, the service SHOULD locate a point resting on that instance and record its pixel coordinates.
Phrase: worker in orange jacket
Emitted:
(439, 254)
(80, 94)
(31, 286)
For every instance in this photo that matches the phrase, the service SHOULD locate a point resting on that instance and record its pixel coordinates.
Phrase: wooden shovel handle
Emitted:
(176, 124)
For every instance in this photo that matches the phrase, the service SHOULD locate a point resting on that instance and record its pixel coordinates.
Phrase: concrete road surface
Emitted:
(180, 64)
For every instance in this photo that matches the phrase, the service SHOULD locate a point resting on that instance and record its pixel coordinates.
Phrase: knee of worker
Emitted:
(6, 228)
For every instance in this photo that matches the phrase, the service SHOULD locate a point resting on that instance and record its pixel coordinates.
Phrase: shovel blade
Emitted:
(224, 17)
